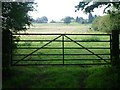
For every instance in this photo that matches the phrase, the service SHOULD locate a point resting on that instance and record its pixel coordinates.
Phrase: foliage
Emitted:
(95, 24)
(90, 18)
(79, 20)
(53, 21)
(86, 21)
(15, 15)
(43, 19)
(115, 19)
(105, 23)
(86, 6)
(15, 18)
(67, 19)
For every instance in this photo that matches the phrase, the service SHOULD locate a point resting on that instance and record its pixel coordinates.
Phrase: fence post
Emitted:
(63, 47)
(6, 48)
(11, 49)
(115, 48)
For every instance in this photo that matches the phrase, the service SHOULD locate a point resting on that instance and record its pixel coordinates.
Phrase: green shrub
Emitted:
(106, 23)
(103, 78)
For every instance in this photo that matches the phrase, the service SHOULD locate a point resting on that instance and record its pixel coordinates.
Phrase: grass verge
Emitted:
(62, 77)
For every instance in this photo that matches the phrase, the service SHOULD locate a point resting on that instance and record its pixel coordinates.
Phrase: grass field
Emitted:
(50, 58)
(61, 76)
(59, 28)
(57, 59)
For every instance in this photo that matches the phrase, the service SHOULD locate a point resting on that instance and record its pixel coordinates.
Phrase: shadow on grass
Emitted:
(61, 77)
(103, 78)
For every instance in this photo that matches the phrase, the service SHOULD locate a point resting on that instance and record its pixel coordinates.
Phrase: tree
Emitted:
(77, 19)
(104, 24)
(43, 19)
(52, 21)
(72, 19)
(39, 20)
(87, 7)
(80, 20)
(112, 8)
(90, 18)
(95, 16)
(33, 20)
(67, 20)
(15, 15)
(95, 24)
(15, 18)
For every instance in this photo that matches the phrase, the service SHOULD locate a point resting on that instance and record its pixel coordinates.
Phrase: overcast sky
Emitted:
(58, 9)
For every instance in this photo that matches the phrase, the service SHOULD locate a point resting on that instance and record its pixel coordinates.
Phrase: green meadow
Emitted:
(61, 76)
(52, 53)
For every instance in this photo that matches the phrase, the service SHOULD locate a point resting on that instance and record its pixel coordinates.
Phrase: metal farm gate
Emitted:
(62, 49)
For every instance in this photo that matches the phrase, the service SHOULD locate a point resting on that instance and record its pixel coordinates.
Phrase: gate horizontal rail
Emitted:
(55, 54)
(63, 48)
(56, 41)
(60, 59)
(62, 64)
(58, 34)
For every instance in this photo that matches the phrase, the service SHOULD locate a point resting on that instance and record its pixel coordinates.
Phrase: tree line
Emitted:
(67, 19)
(43, 19)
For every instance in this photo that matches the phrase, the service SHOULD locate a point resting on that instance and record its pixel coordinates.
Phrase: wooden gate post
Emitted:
(115, 48)
(6, 48)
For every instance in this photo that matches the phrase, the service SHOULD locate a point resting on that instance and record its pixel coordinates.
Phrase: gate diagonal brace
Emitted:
(86, 48)
(38, 49)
